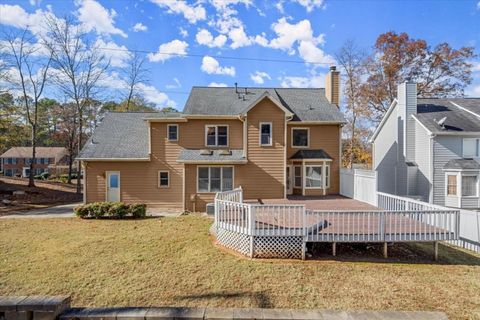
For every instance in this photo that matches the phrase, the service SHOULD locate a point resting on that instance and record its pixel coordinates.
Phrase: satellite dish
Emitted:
(441, 122)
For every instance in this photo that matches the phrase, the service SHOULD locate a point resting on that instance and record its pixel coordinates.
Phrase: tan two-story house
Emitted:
(273, 142)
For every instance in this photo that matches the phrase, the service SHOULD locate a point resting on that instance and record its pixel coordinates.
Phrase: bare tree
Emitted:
(352, 60)
(31, 77)
(135, 73)
(79, 66)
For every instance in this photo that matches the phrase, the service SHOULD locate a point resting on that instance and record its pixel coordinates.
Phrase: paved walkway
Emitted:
(62, 211)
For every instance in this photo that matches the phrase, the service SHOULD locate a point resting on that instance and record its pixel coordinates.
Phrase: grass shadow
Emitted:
(258, 299)
(406, 253)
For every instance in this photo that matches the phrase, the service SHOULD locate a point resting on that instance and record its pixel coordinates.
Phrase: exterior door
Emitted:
(289, 180)
(113, 186)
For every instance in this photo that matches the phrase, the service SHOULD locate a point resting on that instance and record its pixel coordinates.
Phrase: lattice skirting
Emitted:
(233, 240)
(278, 247)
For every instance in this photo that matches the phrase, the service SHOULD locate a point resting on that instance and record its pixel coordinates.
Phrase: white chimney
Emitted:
(407, 106)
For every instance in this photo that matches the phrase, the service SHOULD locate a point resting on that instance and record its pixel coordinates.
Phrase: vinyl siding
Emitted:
(385, 154)
(264, 174)
(192, 133)
(326, 137)
(424, 161)
(445, 148)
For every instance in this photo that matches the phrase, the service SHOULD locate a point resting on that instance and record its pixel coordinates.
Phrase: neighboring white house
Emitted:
(429, 149)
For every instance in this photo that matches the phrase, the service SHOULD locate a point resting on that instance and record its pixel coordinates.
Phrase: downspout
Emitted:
(243, 118)
(285, 191)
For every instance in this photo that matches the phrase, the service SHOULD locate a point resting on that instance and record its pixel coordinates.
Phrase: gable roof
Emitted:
(306, 104)
(462, 115)
(40, 152)
(121, 135)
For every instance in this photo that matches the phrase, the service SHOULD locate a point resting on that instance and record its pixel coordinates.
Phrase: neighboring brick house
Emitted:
(273, 142)
(16, 161)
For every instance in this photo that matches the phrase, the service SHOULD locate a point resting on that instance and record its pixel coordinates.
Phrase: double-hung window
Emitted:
(265, 133)
(451, 185)
(297, 171)
(172, 132)
(163, 179)
(470, 148)
(214, 179)
(469, 186)
(300, 137)
(313, 177)
(216, 136)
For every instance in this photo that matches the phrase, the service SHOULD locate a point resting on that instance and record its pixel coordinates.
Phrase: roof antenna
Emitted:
(236, 87)
(441, 122)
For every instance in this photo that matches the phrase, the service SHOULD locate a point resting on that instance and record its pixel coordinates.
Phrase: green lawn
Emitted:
(172, 261)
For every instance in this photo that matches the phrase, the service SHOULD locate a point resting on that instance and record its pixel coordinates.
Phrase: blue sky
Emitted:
(293, 30)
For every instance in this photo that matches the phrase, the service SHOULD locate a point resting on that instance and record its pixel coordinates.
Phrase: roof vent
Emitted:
(206, 152)
(225, 152)
(441, 122)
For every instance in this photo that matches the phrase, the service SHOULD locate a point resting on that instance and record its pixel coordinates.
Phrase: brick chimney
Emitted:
(332, 86)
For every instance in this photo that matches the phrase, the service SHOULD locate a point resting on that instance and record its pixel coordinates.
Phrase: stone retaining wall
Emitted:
(58, 307)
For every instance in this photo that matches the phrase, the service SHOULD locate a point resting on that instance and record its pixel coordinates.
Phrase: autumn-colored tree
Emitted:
(352, 62)
(439, 71)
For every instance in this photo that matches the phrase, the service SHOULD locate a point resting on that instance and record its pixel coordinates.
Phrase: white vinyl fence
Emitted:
(359, 184)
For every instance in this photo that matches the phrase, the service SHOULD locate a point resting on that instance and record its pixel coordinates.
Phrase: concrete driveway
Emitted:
(62, 211)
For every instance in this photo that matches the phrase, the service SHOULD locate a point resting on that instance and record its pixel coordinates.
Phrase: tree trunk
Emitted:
(352, 143)
(79, 148)
(31, 181)
(70, 166)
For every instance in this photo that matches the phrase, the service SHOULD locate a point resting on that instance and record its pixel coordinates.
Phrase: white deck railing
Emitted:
(235, 195)
(401, 220)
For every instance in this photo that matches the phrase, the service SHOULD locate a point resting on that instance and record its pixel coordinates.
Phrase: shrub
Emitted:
(115, 210)
(138, 210)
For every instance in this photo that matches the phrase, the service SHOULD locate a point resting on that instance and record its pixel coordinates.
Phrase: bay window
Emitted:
(313, 177)
(214, 179)
(297, 177)
(469, 186)
(451, 185)
(216, 136)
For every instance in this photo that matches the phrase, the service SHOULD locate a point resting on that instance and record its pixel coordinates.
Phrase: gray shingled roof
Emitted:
(462, 164)
(430, 111)
(311, 154)
(307, 104)
(189, 155)
(120, 135)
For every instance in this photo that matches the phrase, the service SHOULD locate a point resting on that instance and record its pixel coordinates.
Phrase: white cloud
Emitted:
(94, 16)
(16, 16)
(310, 52)
(279, 6)
(239, 38)
(204, 37)
(473, 91)
(475, 66)
(118, 55)
(153, 95)
(218, 84)
(316, 80)
(211, 66)
(310, 5)
(175, 85)
(259, 77)
(183, 32)
(478, 5)
(192, 13)
(139, 27)
(34, 2)
(169, 50)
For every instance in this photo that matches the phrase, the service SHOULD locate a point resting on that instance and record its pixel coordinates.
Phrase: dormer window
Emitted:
(172, 132)
(216, 136)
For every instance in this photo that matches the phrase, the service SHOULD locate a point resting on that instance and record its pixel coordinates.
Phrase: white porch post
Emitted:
(324, 180)
(304, 177)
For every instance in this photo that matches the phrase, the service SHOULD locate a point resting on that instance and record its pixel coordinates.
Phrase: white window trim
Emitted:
(260, 134)
(221, 177)
(327, 176)
(216, 135)
(322, 175)
(168, 173)
(168, 132)
(308, 138)
(477, 147)
(295, 176)
(446, 184)
(476, 185)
